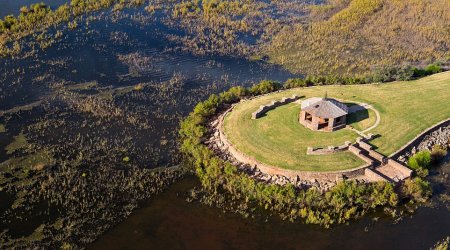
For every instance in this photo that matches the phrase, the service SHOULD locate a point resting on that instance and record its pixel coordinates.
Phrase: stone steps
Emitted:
(395, 170)
(381, 167)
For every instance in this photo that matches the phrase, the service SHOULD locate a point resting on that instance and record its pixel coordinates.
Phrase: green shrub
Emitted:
(294, 83)
(233, 94)
(405, 73)
(265, 87)
(433, 69)
(428, 70)
(393, 73)
(420, 160)
(417, 189)
(422, 172)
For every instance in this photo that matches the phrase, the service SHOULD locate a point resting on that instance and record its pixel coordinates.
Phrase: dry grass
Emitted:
(364, 34)
(20, 141)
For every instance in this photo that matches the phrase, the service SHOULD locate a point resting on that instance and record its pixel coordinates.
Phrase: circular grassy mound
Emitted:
(278, 139)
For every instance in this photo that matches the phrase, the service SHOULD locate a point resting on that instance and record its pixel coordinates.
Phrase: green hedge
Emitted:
(382, 74)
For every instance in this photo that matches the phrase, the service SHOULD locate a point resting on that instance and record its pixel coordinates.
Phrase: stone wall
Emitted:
(399, 167)
(372, 175)
(439, 134)
(323, 180)
(263, 109)
(372, 153)
(328, 150)
(358, 152)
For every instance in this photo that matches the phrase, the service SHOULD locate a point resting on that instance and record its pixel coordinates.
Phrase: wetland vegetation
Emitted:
(92, 93)
(296, 35)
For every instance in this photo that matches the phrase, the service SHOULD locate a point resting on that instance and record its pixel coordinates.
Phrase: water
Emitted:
(116, 54)
(12, 7)
(169, 222)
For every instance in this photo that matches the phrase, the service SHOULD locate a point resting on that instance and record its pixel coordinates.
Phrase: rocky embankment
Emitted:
(438, 135)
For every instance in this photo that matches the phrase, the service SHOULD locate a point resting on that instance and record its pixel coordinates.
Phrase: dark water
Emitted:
(11, 7)
(169, 222)
(94, 52)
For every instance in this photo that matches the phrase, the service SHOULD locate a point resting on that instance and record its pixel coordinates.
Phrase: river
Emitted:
(169, 222)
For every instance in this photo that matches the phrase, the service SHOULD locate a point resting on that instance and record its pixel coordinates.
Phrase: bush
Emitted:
(325, 80)
(379, 74)
(208, 107)
(438, 152)
(392, 73)
(433, 69)
(234, 94)
(294, 83)
(428, 70)
(420, 160)
(265, 87)
(383, 74)
(417, 189)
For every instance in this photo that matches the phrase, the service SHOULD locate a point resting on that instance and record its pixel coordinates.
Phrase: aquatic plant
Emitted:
(39, 18)
(417, 189)
(442, 244)
(83, 177)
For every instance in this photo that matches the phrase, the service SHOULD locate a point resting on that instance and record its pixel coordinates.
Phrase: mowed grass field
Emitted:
(406, 110)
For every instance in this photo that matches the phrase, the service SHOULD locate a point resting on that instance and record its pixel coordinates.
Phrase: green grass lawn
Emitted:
(406, 109)
(362, 120)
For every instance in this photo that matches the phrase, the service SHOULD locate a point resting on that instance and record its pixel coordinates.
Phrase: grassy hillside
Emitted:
(348, 37)
(406, 109)
(338, 37)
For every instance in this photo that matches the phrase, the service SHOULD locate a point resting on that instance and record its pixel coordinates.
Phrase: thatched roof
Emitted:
(324, 107)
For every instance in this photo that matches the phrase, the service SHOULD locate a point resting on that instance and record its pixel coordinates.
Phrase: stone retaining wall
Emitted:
(372, 175)
(274, 104)
(309, 176)
(328, 150)
(399, 167)
(372, 153)
(358, 152)
(438, 134)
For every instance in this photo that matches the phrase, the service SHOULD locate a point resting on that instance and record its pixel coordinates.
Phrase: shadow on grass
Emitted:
(265, 113)
(357, 116)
